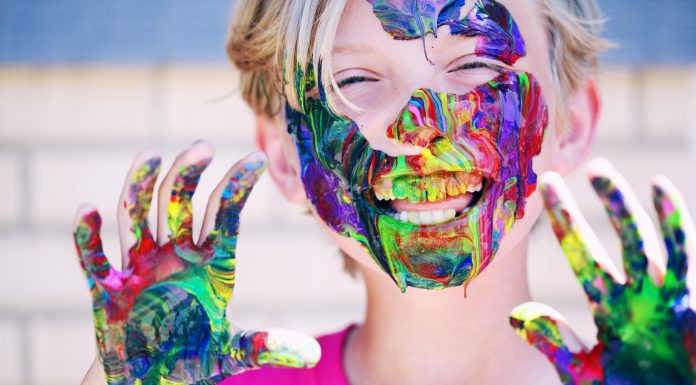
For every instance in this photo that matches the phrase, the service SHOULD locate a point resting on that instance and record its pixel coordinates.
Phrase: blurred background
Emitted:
(85, 85)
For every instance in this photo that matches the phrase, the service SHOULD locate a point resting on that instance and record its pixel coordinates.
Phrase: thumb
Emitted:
(272, 348)
(545, 329)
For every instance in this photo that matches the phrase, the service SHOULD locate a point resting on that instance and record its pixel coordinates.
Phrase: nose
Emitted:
(422, 120)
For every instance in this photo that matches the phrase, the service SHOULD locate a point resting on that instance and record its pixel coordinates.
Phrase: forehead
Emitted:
(488, 20)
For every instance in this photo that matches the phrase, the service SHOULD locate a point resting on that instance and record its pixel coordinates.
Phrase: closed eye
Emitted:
(354, 80)
(479, 64)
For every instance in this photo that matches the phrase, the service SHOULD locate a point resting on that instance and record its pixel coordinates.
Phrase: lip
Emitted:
(408, 172)
(474, 155)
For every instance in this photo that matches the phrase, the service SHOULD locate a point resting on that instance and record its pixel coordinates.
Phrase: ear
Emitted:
(283, 162)
(574, 143)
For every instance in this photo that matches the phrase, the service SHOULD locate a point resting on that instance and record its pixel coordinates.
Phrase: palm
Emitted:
(163, 315)
(645, 322)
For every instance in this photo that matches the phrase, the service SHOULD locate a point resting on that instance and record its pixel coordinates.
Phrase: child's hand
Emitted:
(646, 324)
(161, 319)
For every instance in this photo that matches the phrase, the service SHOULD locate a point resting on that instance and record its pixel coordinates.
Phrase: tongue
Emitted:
(457, 203)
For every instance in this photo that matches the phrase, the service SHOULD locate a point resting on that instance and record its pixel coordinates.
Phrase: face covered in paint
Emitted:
(433, 219)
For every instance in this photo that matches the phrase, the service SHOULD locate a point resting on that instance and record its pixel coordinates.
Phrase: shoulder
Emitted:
(329, 370)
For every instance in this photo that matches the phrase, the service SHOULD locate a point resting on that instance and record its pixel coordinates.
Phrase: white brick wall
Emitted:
(617, 118)
(11, 167)
(76, 104)
(11, 353)
(200, 101)
(61, 349)
(669, 103)
(68, 135)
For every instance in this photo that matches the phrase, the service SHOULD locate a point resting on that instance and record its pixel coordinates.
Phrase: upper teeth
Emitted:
(431, 188)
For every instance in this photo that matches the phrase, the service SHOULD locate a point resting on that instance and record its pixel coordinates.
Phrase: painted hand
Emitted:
(646, 322)
(161, 319)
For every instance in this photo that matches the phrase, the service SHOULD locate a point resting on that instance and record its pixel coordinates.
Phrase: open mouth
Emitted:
(427, 199)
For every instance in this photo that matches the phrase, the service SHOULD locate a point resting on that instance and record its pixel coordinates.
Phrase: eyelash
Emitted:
(465, 66)
(479, 64)
(353, 80)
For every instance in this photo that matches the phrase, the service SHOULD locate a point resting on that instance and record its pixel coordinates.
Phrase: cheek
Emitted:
(350, 246)
(356, 251)
(544, 161)
(522, 228)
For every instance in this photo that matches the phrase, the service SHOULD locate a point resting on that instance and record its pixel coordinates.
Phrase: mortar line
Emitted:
(26, 188)
(25, 353)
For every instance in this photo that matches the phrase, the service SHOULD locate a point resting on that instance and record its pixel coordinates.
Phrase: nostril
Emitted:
(420, 136)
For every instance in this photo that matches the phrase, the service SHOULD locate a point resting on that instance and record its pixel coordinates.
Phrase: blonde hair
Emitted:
(269, 40)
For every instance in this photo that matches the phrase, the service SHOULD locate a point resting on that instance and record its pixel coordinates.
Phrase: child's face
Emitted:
(431, 165)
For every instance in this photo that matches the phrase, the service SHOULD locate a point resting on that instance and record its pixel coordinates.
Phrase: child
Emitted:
(416, 129)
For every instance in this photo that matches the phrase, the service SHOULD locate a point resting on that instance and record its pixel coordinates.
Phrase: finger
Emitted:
(641, 250)
(221, 223)
(104, 282)
(175, 196)
(226, 201)
(89, 248)
(272, 348)
(677, 230)
(545, 329)
(588, 259)
(134, 207)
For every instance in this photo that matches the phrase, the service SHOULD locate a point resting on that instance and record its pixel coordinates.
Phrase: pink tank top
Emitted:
(329, 370)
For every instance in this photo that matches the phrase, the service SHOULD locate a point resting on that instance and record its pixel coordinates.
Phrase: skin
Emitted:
(644, 318)
(162, 318)
(465, 331)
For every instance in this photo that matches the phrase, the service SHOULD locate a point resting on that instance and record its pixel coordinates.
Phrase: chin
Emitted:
(447, 239)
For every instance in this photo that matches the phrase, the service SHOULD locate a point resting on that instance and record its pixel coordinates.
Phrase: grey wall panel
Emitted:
(175, 30)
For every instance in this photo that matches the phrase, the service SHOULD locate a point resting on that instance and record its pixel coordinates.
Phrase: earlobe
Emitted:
(283, 162)
(574, 142)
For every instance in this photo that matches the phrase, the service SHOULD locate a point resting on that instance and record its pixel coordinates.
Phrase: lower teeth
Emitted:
(427, 217)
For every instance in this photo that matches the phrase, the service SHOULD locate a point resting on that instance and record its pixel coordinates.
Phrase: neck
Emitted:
(407, 338)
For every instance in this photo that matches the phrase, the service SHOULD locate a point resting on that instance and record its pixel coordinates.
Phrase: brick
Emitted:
(204, 102)
(10, 354)
(97, 176)
(275, 269)
(669, 103)
(41, 273)
(639, 164)
(618, 115)
(62, 350)
(75, 104)
(60, 181)
(291, 268)
(11, 176)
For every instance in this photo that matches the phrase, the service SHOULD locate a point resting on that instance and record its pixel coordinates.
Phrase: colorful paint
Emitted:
(162, 318)
(477, 148)
(646, 332)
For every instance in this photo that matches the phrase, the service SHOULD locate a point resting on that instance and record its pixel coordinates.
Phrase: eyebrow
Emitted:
(352, 48)
(488, 20)
(443, 41)
(492, 23)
